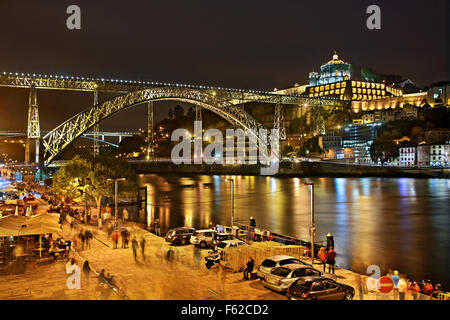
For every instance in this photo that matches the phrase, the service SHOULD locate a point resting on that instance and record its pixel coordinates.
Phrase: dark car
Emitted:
(319, 288)
(180, 235)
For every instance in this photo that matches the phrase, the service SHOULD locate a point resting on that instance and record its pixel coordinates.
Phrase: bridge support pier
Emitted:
(150, 133)
(96, 130)
(33, 128)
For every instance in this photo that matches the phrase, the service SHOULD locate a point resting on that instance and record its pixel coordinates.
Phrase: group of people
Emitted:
(402, 286)
(327, 257)
(83, 240)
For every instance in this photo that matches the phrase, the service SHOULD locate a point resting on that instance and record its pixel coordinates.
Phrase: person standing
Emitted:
(331, 259)
(157, 228)
(323, 257)
(249, 269)
(395, 278)
(125, 214)
(402, 287)
(115, 238)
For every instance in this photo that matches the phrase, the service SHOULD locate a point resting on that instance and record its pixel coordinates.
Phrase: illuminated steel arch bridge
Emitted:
(225, 102)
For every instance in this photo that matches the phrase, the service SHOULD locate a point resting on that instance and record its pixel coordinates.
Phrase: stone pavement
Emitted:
(156, 277)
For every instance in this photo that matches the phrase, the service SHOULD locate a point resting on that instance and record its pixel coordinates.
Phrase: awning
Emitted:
(25, 226)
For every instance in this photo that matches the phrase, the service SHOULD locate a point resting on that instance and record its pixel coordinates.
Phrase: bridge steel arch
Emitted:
(63, 135)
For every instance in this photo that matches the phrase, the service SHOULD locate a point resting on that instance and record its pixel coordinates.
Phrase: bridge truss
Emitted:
(223, 101)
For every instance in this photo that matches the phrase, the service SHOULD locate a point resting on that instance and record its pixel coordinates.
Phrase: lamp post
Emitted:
(232, 201)
(312, 228)
(116, 188)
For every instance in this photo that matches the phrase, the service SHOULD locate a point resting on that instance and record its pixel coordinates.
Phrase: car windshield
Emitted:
(195, 233)
(269, 263)
(301, 285)
(281, 272)
(222, 245)
(289, 261)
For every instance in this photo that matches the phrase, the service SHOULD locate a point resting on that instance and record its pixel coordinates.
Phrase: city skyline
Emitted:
(186, 50)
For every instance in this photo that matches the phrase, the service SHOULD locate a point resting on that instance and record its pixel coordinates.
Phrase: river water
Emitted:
(397, 223)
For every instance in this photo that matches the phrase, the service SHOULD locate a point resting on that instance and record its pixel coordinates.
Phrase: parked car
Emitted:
(276, 261)
(222, 236)
(280, 278)
(203, 238)
(319, 288)
(180, 235)
(230, 244)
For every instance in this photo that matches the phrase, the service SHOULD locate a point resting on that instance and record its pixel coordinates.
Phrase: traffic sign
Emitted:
(386, 284)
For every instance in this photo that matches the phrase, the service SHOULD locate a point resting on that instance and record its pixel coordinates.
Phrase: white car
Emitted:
(230, 244)
(203, 238)
(276, 261)
(281, 278)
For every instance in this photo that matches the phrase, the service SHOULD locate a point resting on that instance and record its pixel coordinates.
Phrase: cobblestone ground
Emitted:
(185, 277)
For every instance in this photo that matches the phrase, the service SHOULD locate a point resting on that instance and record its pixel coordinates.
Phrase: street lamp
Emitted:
(312, 228)
(116, 188)
(232, 201)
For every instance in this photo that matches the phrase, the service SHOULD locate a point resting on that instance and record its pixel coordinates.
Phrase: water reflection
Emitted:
(394, 223)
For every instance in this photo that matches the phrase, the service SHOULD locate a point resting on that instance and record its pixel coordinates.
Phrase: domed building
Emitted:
(333, 71)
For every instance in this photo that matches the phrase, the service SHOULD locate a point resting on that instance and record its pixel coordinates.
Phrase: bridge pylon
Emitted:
(278, 121)
(33, 128)
(150, 130)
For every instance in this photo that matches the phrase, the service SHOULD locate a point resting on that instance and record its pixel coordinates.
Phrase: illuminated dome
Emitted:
(335, 59)
(334, 70)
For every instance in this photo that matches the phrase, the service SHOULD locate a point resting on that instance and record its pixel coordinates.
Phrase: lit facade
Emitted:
(359, 137)
(407, 156)
(439, 155)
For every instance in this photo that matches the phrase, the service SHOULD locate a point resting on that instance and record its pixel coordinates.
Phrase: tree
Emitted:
(93, 175)
(383, 149)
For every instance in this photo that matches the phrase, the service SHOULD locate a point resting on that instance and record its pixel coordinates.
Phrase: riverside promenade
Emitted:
(184, 277)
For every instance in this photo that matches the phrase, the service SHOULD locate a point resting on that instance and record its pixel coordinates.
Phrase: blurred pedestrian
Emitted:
(402, 287)
(395, 278)
(135, 247)
(86, 273)
(414, 288)
(143, 247)
(331, 259)
(157, 228)
(82, 237)
(115, 239)
(249, 269)
(323, 257)
(125, 214)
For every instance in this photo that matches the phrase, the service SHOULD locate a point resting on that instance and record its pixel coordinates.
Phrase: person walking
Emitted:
(82, 237)
(331, 259)
(86, 272)
(134, 246)
(396, 279)
(249, 269)
(143, 247)
(323, 257)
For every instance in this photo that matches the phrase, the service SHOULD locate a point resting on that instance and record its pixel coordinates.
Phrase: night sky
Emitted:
(242, 44)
